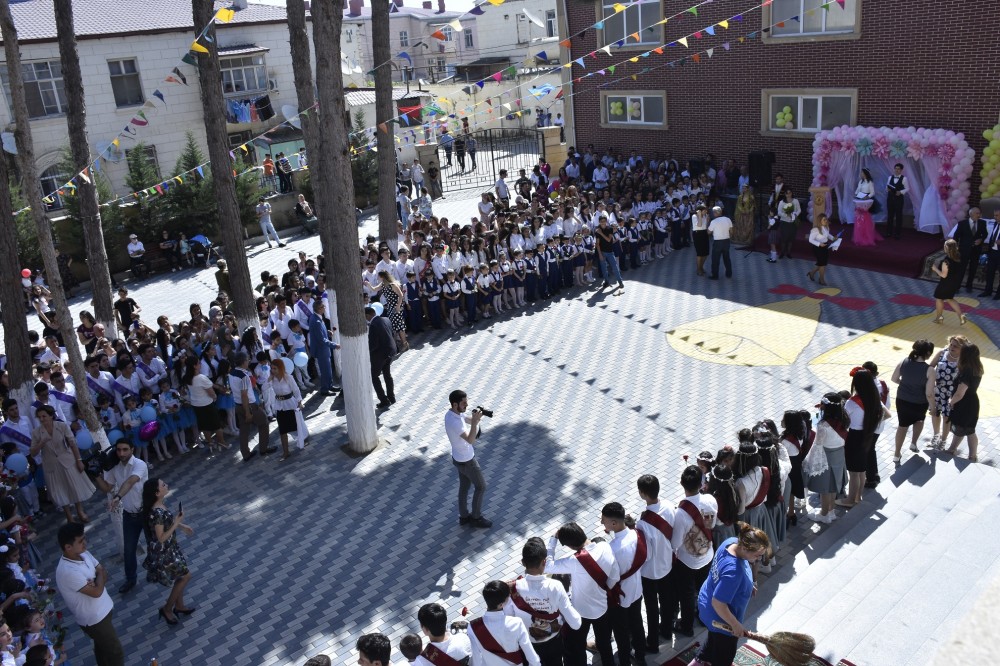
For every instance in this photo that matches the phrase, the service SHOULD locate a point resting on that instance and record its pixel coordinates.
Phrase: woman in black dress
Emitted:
(965, 401)
(699, 231)
(165, 562)
(916, 390)
(950, 271)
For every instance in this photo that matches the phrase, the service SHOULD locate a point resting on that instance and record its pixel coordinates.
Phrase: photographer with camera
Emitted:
(463, 456)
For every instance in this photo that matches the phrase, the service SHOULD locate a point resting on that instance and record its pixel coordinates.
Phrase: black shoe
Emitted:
(167, 619)
(681, 630)
(266, 451)
(482, 522)
(281, 245)
(621, 286)
(985, 294)
(186, 611)
(249, 457)
(606, 285)
(667, 632)
(383, 405)
(126, 587)
(392, 400)
(872, 484)
(465, 520)
(652, 647)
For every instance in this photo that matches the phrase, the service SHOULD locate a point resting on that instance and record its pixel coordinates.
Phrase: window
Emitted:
(125, 82)
(550, 23)
(449, 33)
(807, 111)
(43, 88)
(641, 109)
(803, 18)
(639, 17)
(349, 36)
(51, 180)
(404, 38)
(245, 74)
(150, 156)
(468, 38)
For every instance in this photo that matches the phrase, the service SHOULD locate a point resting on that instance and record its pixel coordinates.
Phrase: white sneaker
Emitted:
(935, 442)
(895, 459)
(818, 517)
(914, 448)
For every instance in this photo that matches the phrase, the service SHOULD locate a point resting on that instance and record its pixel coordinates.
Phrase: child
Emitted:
(519, 272)
(297, 344)
(185, 250)
(496, 286)
(432, 292)
(411, 645)
(224, 396)
(660, 245)
(107, 413)
(12, 559)
(9, 654)
(262, 371)
(579, 260)
(632, 235)
(644, 237)
(34, 632)
(414, 311)
(552, 267)
(132, 421)
(589, 252)
(469, 295)
(530, 276)
(169, 418)
(483, 287)
(186, 420)
(773, 234)
(160, 441)
(507, 273)
(452, 292)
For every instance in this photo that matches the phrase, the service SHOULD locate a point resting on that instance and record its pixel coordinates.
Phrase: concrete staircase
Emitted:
(891, 581)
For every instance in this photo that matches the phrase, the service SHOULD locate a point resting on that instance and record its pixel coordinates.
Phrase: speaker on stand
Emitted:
(759, 164)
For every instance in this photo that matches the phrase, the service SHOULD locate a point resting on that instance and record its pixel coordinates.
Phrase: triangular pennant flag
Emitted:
(115, 143)
(618, 7)
(200, 171)
(633, 59)
(198, 48)
(601, 72)
(476, 11)
(180, 181)
(635, 36)
(565, 43)
(710, 52)
(726, 45)
(738, 18)
(208, 38)
(243, 147)
(97, 165)
(405, 119)
(611, 68)
(696, 58)
(139, 122)
(620, 43)
(85, 177)
(148, 104)
(159, 189)
(224, 15)
(663, 22)
(658, 50)
(559, 94)
(780, 24)
(437, 34)
(496, 77)
(456, 25)
(171, 79)
(633, 77)
(724, 24)
(683, 40)
(599, 25)
(810, 12)
(141, 114)
(697, 35)
(796, 19)
(606, 49)
(496, 3)
(405, 56)
(579, 61)
(742, 39)
(841, 3)
(710, 30)
(481, 84)
(692, 10)
(382, 126)
(541, 56)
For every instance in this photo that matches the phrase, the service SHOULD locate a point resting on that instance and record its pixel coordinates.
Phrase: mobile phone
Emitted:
(180, 507)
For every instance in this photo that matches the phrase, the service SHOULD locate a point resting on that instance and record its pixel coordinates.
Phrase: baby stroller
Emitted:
(203, 250)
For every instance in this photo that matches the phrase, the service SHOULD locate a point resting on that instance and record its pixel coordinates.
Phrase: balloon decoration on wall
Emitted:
(990, 172)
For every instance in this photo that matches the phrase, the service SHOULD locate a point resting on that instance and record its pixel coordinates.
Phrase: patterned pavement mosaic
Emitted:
(589, 391)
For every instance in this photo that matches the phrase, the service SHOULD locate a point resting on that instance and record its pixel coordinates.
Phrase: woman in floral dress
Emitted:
(746, 212)
(165, 563)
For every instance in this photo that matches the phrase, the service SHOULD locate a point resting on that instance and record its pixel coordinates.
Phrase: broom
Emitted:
(786, 647)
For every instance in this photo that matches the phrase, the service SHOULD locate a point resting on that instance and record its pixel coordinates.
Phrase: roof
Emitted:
(363, 96)
(490, 60)
(35, 19)
(418, 13)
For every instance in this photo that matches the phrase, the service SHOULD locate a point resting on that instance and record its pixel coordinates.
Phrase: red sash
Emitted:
(838, 428)
(765, 484)
(856, 399)
(440, 658)
(699, 520)
(616, 593)
(591, 566)
(883, 391)
(657, 521)
(523, 605)
(491, 645)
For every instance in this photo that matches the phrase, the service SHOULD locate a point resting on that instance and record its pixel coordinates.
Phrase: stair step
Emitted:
(957, 629)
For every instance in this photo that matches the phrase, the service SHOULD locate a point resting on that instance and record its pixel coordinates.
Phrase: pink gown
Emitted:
(864, 227)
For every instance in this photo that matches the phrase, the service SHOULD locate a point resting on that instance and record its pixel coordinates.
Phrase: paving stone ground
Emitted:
(301, 558)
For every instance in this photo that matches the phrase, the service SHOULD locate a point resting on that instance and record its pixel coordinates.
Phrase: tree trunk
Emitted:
(33, 195)
(90, 212)
(15, 324)
(384, 112)
(331, 173)
(223, 180)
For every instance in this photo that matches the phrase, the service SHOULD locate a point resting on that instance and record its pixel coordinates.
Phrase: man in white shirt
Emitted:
(895, 197)
(400, 267)
(385, 263)
(417, 176)
(248, 408)
(151, 368)
(125, 480)
(594, 573)
(502, 191)
(463, 456)
(601, 177)
(81, 581)
(102, 383)
(443, 649)
(136, 250)
(499, 640)
(542, 604)
(266, 227)
(629, 547)
(281, 316)
(440, 263)
(656, 523)
(719, 229)
(692, 543)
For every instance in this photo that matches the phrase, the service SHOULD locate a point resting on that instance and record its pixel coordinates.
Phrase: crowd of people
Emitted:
(163, 390)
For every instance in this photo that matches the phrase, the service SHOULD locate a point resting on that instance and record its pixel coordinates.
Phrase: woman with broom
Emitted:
(727, 590)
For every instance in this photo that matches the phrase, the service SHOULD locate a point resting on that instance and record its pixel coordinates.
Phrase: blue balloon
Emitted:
(147, 414)
(83, 439)
(115, 435)
(301, 360)
(17, 463)
(378, 308)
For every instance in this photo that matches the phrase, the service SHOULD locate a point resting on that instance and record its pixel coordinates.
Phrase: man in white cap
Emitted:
(136, 250)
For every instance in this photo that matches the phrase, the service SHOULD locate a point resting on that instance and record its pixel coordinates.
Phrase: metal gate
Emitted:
(496, 150)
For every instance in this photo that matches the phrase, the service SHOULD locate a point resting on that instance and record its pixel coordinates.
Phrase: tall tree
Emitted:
(298, 39)
(90, 211)
(223, 180)
(15, 324)
(385, 140)
(33, 194)
(331, 173)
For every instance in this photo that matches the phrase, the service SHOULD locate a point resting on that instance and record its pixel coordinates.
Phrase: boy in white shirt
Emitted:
(443, 649)
(499, 640)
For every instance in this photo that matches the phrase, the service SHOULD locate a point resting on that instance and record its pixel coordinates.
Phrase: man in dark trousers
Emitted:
(381, 347)
(970, 235)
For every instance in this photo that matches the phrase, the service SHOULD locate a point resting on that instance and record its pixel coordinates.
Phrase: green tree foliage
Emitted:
(364, 164)
(189, 206)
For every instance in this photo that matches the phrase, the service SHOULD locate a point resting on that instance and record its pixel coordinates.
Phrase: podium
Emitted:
(820, 198)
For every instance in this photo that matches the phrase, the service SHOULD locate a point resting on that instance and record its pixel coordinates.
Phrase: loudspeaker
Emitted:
(696, 167)
(760, 168)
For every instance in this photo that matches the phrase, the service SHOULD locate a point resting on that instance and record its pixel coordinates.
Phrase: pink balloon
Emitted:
(148, 431)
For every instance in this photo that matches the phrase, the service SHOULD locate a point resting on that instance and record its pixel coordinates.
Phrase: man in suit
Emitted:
(970, 235)
(381, 347)
(992, 247)
(321, 347)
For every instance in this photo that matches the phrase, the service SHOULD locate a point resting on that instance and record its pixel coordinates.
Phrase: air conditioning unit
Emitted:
(272, 85)
(521, 18)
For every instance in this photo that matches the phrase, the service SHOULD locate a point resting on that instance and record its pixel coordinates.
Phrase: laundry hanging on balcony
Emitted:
(252, 110)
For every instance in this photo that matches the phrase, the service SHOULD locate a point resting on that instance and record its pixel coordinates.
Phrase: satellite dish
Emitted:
(9, 144)
(422, 82)
(291, 114)
(109, 151)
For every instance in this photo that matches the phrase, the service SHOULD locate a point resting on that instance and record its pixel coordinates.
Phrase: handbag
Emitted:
(301, 431)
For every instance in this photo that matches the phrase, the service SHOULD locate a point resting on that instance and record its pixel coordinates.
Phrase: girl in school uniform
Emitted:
(451, 290)
(469, 294)
(431, 290)
(484, 290)
(507, 272)
(589, 252)
(496, 286)
(519, 274)
(414, 311)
